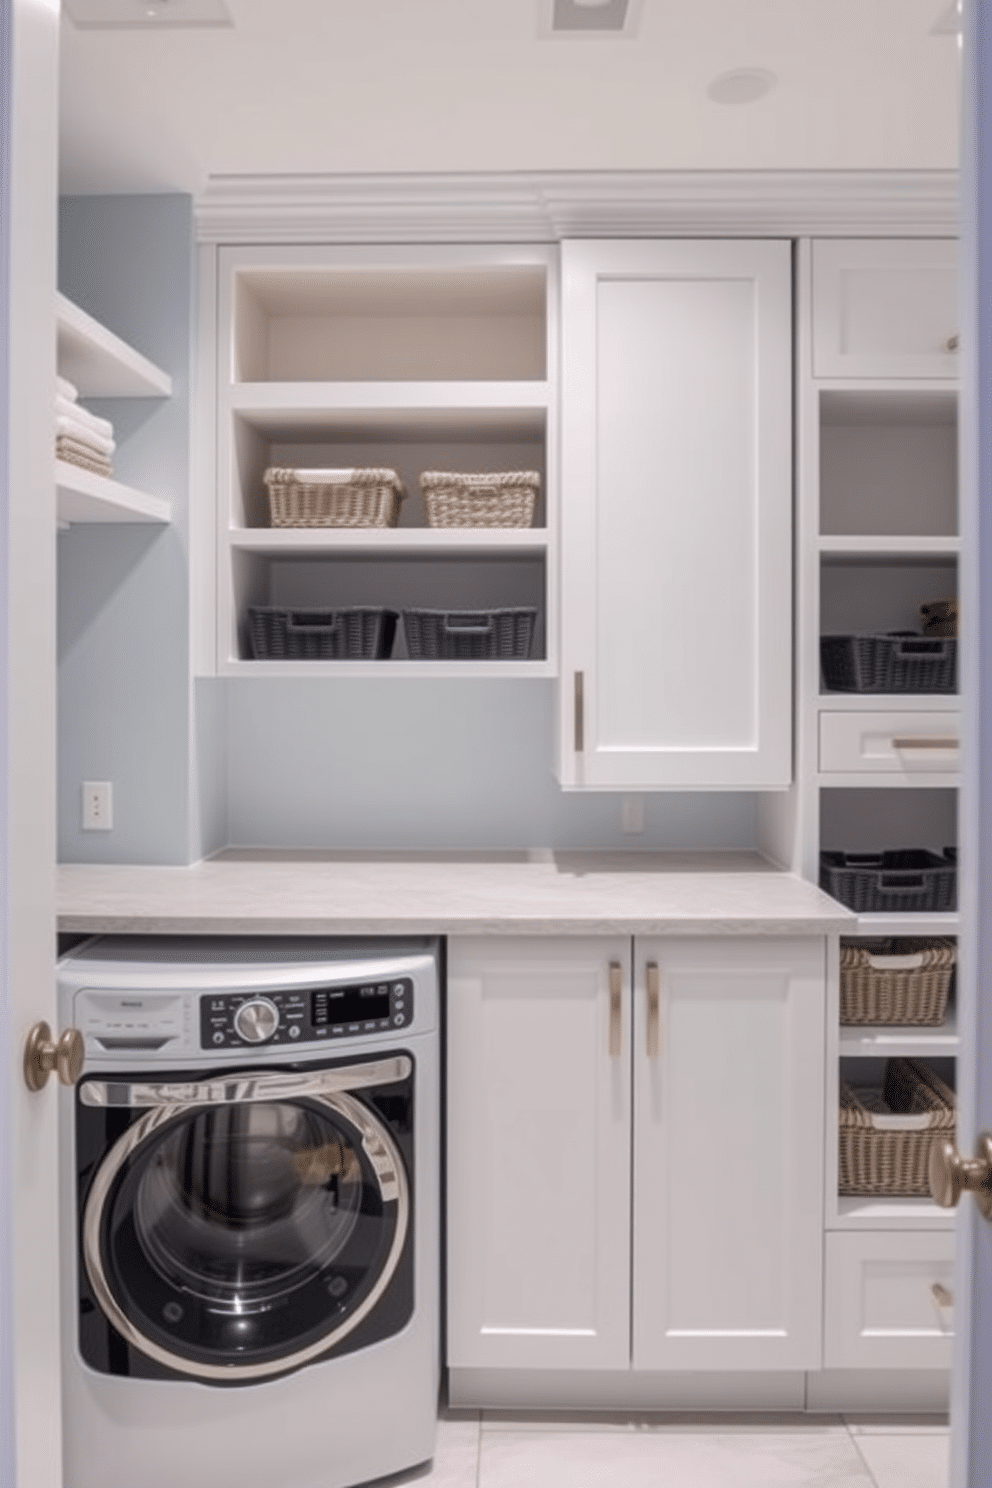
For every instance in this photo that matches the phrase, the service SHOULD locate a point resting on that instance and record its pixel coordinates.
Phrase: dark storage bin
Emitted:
(469, 635)
(898, 662)
(354, 634)
(911, 879)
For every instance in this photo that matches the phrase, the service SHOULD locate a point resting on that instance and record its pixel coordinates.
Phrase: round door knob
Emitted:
(43, 1057)
(951, 1175)
(256, 1020)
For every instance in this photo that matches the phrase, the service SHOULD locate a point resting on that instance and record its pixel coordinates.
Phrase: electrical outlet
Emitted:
(98, 806)
(632, 813)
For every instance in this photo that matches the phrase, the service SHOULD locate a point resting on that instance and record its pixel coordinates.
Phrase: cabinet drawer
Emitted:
(889, 1300)
(885, 308)
(890, 743)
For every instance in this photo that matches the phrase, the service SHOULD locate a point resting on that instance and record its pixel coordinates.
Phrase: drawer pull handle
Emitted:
(580, 720)
(942, 1295)
(926, 743)
(953, 342)
(653, 1040)
(616, 1009)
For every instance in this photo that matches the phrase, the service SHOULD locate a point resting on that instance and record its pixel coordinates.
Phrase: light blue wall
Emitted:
(124, 694)
(432, 764)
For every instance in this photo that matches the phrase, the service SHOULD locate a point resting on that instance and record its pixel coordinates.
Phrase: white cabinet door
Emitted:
(885, 307)
(538, 1164)
(676, 515)
(728, 1154)
(889, 1300)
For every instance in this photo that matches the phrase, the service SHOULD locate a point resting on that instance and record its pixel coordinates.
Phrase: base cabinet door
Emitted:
(889, 1300)
(538, 1159)
(676, 515)
(728, 1143)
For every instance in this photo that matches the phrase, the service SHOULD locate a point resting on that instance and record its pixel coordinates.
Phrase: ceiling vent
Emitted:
(595, 18)
(146, 15)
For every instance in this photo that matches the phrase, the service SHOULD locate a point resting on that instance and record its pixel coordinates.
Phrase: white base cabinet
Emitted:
(635, 1183)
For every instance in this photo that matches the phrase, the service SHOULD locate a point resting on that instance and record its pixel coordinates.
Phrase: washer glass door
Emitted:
(234, 1238)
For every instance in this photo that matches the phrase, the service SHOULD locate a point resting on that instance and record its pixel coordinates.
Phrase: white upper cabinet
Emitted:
(676, 515)
(885, 307)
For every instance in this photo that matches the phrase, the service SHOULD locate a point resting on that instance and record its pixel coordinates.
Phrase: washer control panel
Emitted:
(236, 1020)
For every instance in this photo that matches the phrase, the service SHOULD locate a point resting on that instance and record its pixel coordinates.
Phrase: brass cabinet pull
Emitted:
(580, 722)
(951, 1175)
(953, 342)
(616, 1009)
(43, 1056)
(942, 1295)
(926, 743)
(654, 1010)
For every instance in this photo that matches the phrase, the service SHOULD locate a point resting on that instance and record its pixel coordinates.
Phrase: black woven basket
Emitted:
(355, 633)
(911, 880)
(901, 661)
(469, 635)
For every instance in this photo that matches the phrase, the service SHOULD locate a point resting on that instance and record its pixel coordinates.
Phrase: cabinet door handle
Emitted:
(654, 1010)
(953, 342)
(616, 1009)
(580, 721)
(944, 1301)
(926, 743)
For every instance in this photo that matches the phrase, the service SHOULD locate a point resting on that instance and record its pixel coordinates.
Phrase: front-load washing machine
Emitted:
(250, 1185)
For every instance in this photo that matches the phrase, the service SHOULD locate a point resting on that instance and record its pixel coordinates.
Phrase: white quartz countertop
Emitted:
(300, 893)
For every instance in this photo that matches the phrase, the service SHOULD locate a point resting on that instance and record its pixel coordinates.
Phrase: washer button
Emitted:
(398, 1020)
(218, 1037)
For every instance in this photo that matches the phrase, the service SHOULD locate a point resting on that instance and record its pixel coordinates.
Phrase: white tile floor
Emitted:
(495, 1450)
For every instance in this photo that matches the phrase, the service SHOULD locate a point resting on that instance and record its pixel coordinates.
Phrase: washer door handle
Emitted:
(236, 1089)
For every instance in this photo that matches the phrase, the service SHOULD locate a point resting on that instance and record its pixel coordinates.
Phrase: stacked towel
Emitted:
(81, 437)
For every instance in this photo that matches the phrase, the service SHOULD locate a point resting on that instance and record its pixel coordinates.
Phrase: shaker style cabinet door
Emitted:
(728, 1153)
(538, 1157)
(676, 508)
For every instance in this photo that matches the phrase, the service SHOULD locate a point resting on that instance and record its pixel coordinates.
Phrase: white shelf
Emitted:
(83, 497)
(889, 702)
(463, 541)
(861, 1212)
(488, 669)
(886, 1043)
(907, 924)
(874, 548)
(99, 363)
(393, 410)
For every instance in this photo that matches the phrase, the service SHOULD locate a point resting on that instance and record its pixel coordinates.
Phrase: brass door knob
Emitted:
(951, 1175)
(43, 1057)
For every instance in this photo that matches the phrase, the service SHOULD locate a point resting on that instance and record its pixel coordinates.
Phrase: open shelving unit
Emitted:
(101, 365)
(406, 359)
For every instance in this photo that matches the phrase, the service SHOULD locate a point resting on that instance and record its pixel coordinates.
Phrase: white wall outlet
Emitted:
(632, 813)
(98, 806)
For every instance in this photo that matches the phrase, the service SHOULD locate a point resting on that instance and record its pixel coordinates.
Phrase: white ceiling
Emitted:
(355, 86)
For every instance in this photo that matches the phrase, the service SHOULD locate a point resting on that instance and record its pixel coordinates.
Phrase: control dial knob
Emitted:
(256, 1020)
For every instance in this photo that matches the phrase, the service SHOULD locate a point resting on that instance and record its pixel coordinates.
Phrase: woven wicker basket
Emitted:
(896, 981)
(885, 1137)
(333, 498)
(505, 499)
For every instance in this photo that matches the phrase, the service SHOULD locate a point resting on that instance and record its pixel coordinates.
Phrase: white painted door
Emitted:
(30, 1434)
(538, 1163)
(971, 1417)
(676, 507)
(728, 1153)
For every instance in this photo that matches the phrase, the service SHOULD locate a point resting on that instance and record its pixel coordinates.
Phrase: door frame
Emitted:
(30, 1403)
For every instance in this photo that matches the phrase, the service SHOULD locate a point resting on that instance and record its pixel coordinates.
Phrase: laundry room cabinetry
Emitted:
(676, 508)
(634, 1153)
(409, 360)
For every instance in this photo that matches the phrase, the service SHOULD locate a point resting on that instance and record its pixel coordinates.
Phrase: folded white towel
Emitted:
(75, 411)
(66, 389)
(77, 454)
(82, 434)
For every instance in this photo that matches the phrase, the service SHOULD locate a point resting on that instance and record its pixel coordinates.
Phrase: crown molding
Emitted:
(548, 206)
